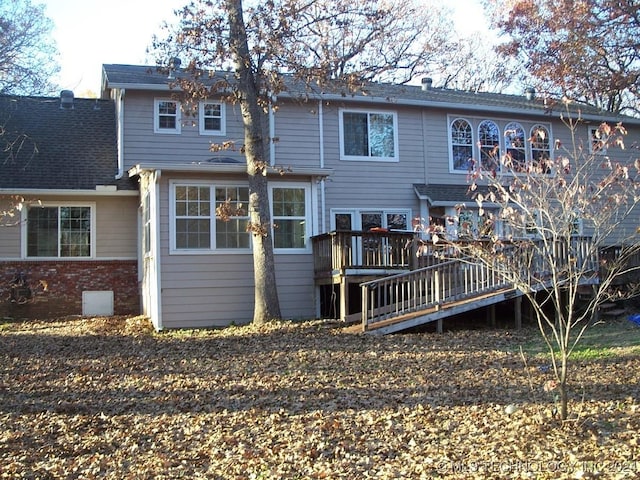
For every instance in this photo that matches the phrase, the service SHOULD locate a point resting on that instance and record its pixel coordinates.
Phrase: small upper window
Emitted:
(461, 138)
(166, 116)
(212, 118)
(368, 135)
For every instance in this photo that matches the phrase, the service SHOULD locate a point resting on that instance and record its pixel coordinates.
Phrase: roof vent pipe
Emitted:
(66, 99)
(174, 64)
(427, 83)
(530, 93)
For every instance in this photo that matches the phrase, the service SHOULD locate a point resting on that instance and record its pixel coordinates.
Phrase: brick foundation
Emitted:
(65, 281)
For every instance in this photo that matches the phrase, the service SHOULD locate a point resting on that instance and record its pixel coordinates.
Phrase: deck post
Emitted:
(491, 315)
(439, 328)
(518, 312)
(344, 298)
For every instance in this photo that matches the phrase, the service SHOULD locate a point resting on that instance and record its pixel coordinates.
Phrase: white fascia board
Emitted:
(227, 168)
(141, 86)
(68, 193)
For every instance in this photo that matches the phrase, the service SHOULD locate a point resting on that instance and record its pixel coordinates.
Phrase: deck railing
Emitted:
(450, 280)
(357, 250)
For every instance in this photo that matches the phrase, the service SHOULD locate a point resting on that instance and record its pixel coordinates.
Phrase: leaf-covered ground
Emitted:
(108, 398)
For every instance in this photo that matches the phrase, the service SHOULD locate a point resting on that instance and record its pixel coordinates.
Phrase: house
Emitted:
(348, 175)
(69, 227)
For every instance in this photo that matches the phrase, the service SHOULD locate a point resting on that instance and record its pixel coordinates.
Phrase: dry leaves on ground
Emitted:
(108, 398)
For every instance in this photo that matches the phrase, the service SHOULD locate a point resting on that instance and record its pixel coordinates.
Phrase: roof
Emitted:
(155, 78)
(441, 195)
(47, 147)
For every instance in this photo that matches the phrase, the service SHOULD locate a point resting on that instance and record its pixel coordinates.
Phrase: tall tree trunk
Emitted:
(267, 306)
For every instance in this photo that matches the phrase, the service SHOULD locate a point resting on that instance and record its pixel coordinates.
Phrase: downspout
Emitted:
(272, 131)
(322, 181)
(120, 130)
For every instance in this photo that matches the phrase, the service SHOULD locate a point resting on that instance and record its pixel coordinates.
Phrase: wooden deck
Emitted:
(401, 289)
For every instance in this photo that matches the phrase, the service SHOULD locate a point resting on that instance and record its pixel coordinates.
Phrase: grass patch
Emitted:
(604, 339)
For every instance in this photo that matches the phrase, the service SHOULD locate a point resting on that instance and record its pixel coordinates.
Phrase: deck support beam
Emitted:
(518, 312)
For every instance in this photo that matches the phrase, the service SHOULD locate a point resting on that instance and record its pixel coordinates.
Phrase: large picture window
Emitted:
(368, 135)
(59, 231)
(209, 217)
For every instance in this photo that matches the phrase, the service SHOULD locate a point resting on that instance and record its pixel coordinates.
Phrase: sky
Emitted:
(89, 33)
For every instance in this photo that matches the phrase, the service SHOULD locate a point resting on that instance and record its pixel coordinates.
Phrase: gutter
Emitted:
(106, 192)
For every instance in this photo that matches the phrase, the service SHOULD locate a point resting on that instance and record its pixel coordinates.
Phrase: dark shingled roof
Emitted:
(441, 194)
(151, 77)
(45, 146)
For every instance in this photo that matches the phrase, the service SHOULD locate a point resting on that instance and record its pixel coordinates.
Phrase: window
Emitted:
(166, 116)
(193, 217)
(598, 140)
(231, 232)
(540, 147)
(343, 219)
(146, 223)
(207, 217)
(489, 142)
(515, 146)
(368, 135)
(212, 118)
(289, 217)
(461, 145)
(59, 231)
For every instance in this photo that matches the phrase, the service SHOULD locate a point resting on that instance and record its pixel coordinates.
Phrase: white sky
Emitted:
(89, 33)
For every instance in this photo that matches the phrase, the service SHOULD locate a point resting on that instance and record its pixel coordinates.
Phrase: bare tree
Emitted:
(27, 53)
(294, 46)
(558, 217)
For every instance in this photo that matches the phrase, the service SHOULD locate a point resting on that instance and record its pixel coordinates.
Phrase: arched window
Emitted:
(540, 146)
(515, 146)
(489, 142)
(461, 145)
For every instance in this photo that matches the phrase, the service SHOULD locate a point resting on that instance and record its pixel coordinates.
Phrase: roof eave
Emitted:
(237, 168)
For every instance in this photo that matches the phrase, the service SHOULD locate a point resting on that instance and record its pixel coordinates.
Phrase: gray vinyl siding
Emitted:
(375, 184)
(142, 145)
(217, 289)
(297, 134)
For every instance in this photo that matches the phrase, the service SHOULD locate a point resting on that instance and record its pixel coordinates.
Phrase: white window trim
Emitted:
(223, 118)
(308, 218)
(367, 158)
(173, 249)
(550, 139)
(475, 122)
(156, 117)
(213, 250)
(92, 229)
(474, 127)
